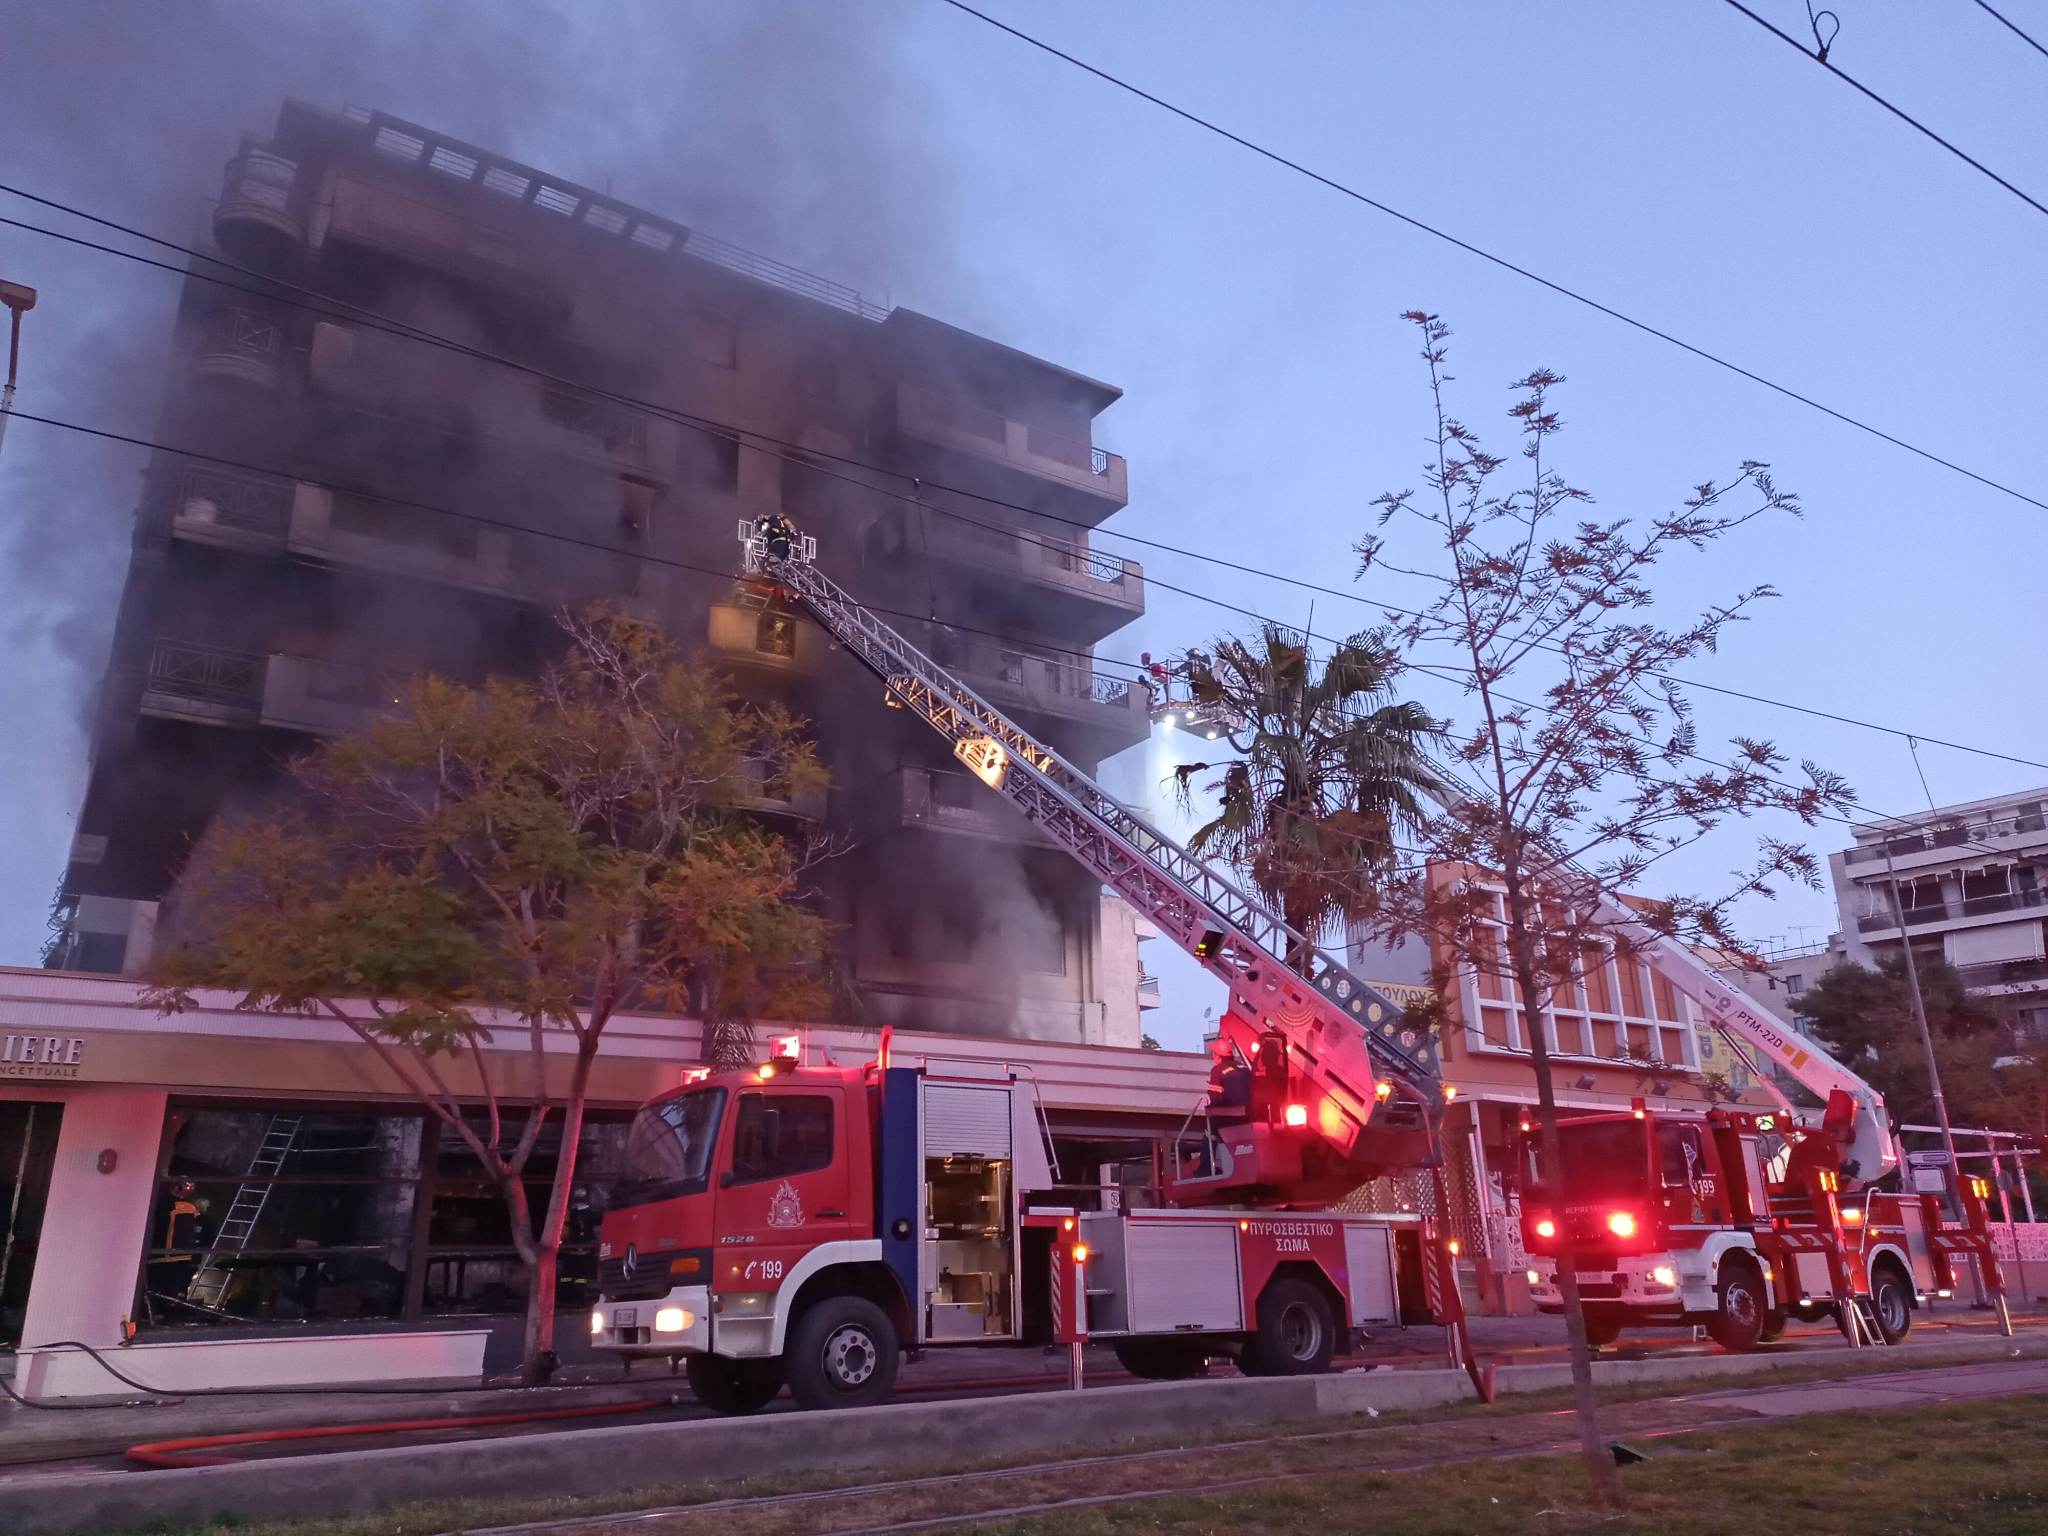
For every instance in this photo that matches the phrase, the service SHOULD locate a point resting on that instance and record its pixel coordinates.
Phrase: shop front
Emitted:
(219, 1197)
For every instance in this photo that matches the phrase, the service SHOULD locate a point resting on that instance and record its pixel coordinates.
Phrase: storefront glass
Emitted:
(310, 1214)
(28, 1146)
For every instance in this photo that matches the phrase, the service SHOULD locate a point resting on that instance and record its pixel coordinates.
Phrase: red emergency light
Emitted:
(1295, 1114)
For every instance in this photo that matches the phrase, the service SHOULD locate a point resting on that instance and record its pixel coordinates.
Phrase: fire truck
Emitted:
(806, 1223)
(1739, 1222)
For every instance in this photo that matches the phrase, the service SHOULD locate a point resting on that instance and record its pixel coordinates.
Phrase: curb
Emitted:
(895, 1435)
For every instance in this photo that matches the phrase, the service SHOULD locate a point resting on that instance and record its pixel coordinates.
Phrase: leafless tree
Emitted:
(1580, 765)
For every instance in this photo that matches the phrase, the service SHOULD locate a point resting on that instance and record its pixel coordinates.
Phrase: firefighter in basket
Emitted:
(777, 534)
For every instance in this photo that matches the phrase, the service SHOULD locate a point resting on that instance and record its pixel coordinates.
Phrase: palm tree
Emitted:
(1328, 765)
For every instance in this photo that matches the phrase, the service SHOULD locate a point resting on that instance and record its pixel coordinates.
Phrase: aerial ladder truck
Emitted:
(804, 1224)
(1738, 1221)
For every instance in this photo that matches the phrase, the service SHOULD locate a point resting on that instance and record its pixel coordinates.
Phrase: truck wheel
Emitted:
(1892, 1300)
(842, 1353)
(1602, 1327)
(1296, 1334)
(1162, 1359)
(1739, 1321)
(1773, 1328)
(733, 1386)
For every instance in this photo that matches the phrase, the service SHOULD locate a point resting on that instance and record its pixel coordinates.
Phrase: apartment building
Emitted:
(411, 508)
(1967, 883)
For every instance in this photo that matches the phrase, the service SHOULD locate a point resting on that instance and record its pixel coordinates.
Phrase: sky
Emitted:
(1675, 162)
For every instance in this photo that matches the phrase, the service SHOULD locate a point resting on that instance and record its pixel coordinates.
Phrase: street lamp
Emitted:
(19, 300)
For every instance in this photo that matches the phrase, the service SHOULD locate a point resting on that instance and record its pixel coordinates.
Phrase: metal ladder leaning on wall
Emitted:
(209, 1282)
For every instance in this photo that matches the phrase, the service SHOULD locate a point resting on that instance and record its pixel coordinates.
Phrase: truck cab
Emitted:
(1655, 1216)
(736, 1189)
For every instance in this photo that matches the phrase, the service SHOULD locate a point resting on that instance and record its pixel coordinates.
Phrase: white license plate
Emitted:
(625, 1317)
(1601, 1279)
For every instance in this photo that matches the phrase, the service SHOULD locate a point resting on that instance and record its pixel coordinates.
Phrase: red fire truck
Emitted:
(805, 1224)
(1738, 1221)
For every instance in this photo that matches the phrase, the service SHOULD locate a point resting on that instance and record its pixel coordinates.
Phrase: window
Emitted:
(1794, 984)
(775, 633)
(1603, 1159)
(778, 1136)
(1679, 1154)
(711, 337)
(294, 1213)
(281, 1216)
(668, 1148)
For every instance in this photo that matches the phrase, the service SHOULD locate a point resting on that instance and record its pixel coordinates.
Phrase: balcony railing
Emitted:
(220, 680)
(1988, 905)
(255, 216)
(594, 212)
(2019, 824)
(204, 501)
(239, 346)
(947, 801)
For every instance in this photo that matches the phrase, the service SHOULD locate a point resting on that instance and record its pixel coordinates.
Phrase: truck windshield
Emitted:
(668, 1149)
(1603, 1160)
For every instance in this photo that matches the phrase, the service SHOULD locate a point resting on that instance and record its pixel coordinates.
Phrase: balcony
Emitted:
(233, 511)
(1105, 713)
(399, 541)
(2004, 973)
(256, 222)
(1148, 990)
(767, 640)
(941, 800)
(203, 684)
(394, 376)
(238, 352)
(755, 789)
(1988, 905)
(1071, 589)
(2025, 826)
(991, 453)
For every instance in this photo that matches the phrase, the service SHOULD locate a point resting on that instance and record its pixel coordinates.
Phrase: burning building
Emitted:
(439, 395)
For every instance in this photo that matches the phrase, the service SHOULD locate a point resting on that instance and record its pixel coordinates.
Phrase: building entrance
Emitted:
(28, 1148)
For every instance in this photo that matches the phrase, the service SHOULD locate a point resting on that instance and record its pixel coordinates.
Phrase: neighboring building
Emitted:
(1620, 1034)
(260, 1194)
(1124, 930)
(1972, 889)
(264, 611)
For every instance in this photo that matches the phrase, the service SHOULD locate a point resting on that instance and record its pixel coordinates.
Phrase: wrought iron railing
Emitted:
(206, 673)
(252, 504)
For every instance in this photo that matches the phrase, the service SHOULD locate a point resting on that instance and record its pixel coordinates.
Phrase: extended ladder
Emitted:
(209, 1283)
(1344, 1037)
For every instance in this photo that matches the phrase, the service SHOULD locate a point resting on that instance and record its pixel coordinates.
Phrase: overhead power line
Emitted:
(1819, 56)
(319, 304)
(1556, 287)
(2015, 31)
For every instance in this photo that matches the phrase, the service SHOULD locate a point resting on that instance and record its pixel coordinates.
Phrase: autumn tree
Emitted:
(525, 858)
(1325, 766)
(1576, 761)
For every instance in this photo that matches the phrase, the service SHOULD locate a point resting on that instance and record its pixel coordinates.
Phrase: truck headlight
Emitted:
(596, 1321)
(1665, 1276)
(672, 1320)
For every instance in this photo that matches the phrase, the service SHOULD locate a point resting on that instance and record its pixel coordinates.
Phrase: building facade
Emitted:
(354, 505)
(1967, 883)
